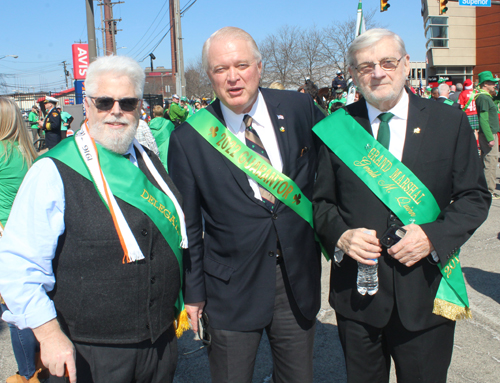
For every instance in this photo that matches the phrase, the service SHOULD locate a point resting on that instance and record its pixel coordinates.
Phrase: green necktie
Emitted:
(384, 133)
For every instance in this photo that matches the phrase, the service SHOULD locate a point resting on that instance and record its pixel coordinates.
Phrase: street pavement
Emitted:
(476, 354)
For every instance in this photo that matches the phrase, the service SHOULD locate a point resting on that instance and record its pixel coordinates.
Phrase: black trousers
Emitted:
(135, 363)
(420, 356)
(232, 353)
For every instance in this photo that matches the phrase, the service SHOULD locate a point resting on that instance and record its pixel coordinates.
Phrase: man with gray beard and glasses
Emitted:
(91, 255)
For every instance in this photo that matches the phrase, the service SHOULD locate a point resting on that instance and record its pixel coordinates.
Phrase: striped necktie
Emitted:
(253, 141)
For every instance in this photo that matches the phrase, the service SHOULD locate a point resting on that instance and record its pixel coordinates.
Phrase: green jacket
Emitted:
(487, 114)
(33, 120)
(64, 117)
(161, 128)
(177, 113)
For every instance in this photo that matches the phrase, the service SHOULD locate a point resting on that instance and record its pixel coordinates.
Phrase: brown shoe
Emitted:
(21, 379)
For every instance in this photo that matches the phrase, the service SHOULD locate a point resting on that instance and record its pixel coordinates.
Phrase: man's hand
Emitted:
(491, 143)
(361, 245)
(194, 311)
(413, 247)
(56, 350)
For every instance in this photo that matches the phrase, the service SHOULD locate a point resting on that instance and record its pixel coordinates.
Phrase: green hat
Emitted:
(441, 80)
(428, 88)
(486, 76)
(184, 98)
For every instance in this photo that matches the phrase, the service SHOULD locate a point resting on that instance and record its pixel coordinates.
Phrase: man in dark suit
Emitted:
(435, 142)
(253, 264)
(444, 96)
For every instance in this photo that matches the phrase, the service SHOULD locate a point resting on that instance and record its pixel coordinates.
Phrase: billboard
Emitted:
(80, 61)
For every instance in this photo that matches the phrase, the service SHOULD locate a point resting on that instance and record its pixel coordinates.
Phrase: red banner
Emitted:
(80, 61)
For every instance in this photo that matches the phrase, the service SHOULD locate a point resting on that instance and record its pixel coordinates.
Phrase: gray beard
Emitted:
(116, 141)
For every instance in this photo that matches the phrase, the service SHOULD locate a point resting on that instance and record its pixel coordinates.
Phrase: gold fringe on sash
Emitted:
(181, 324)
(450, 310)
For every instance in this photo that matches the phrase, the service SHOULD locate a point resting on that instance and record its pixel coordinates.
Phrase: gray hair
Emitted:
(230, 33)
(369, 38)
(443, 89)
(115, 66)
(459, 86)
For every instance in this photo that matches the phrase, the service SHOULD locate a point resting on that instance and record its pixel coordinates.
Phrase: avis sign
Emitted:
(475, 3)
(80, 61)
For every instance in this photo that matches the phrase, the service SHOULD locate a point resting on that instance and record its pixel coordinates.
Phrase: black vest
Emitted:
(98, 298)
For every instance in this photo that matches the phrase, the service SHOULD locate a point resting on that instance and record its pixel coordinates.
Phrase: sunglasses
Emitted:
(127, 104)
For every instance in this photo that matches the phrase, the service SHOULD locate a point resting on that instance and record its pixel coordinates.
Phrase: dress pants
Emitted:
(420, 356)
(489, 155)
(135, 363)
(232, 353)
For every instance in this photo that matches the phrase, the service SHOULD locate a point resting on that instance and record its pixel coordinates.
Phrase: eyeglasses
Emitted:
(388, 64)
(127, 104)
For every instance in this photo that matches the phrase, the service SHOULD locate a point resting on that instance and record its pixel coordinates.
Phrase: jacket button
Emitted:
(144, 232)
(147, 326)
(271, 254)
(153, 280)
(275, 216)
(151, 303)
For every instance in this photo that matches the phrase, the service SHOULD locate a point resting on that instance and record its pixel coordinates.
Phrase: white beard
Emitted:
(117, 141)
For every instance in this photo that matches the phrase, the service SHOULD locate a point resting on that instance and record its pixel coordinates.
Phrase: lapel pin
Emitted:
(280, 117)
(416, 130)
(282, 129)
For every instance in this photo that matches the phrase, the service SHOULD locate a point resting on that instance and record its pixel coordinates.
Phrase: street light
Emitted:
(14, 56)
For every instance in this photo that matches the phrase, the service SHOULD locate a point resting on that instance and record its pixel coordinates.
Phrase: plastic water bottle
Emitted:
(367, 281)
(367, 278)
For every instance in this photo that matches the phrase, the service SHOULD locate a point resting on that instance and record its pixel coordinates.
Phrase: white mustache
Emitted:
(116, 121)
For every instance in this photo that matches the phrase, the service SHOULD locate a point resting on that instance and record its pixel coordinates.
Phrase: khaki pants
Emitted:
(489, 155)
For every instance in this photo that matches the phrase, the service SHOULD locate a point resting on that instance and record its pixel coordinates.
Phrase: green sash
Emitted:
(400, 190)
(278, 184)
(132, 186)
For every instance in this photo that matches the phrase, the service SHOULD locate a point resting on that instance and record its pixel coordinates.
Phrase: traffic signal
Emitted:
(384, 5)
(442, 6)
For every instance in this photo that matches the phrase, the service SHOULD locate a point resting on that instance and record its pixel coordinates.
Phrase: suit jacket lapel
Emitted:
(239, 176)
(359, 111)
(417, 130)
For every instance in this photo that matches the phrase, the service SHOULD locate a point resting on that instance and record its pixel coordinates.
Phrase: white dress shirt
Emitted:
(29, 244)
(264, 127)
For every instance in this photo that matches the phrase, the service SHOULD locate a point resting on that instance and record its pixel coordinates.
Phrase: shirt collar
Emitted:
(234, 121)
(400, 110)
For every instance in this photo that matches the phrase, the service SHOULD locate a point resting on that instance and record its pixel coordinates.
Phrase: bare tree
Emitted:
(279, 54)
(197, 81)
(309, 62)
(339, 36)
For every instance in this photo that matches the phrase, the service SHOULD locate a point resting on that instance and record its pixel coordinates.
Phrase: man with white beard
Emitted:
(91, 257)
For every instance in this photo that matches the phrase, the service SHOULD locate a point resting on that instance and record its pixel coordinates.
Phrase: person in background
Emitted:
(339, 81)
(185, 104)
(276, 85)
(177, 113)
(16, 156)
(444, 92)
(487, 113)
(197, 106)
(33, 119)
(456, 93)
(51, 124)
(161, 128)
(468, 105)
(434, 94)
(66, 120)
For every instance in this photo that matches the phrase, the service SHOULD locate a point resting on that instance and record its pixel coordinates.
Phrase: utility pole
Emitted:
(91, 30)
(66, 73)
(176, 42)
(108, 25)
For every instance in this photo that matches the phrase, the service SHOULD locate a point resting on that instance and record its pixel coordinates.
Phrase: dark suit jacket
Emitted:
(455, 104)
(233, 267)
(443, 155)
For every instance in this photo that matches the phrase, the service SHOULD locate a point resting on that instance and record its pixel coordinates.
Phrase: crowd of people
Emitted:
(215, 216)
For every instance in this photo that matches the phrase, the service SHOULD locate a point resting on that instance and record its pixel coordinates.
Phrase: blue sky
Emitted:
(41, 32)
